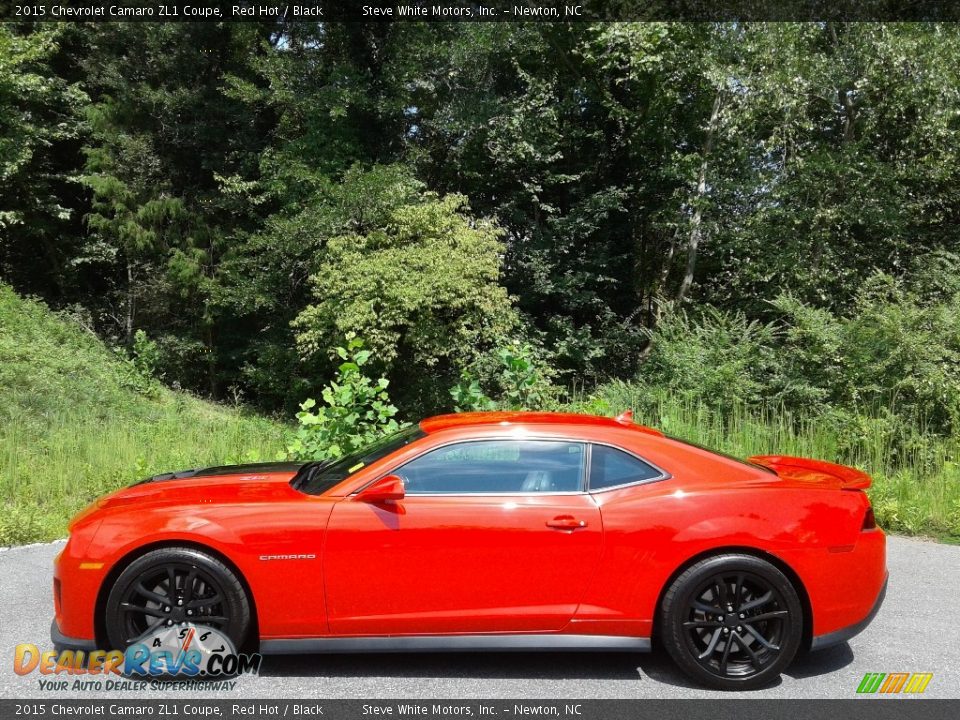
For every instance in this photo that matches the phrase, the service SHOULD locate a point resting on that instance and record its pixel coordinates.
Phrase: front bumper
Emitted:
(843, 634)
(61, 642)
(77, 579)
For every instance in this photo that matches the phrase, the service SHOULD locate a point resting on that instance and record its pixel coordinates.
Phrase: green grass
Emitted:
(74, 424)
(916, 488)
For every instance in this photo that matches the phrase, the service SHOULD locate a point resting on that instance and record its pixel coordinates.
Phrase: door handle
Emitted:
(566, 522)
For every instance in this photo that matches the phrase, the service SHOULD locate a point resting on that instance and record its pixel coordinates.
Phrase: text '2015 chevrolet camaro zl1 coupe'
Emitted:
(489, 531)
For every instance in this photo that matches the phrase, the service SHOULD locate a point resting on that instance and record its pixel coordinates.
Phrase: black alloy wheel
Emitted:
(173, 586)
(732, 622)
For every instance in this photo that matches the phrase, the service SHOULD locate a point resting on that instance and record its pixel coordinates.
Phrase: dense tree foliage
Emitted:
(417, 279)
(40, 235)
(247, 194)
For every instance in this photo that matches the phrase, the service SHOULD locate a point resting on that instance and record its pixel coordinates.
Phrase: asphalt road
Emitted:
(917, 630)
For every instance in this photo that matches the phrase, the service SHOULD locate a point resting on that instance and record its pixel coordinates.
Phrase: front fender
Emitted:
(275, 549)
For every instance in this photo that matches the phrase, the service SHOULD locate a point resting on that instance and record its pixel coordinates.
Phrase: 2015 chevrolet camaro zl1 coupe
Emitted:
(490, 531)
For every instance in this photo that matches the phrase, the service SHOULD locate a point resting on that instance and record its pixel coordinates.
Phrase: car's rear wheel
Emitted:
(733, 622)
(172, 586)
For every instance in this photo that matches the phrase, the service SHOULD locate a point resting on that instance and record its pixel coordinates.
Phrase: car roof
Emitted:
(517, 417)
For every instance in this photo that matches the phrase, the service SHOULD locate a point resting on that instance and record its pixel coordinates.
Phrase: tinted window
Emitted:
(318, 477)
(497, 466)
(610, 467)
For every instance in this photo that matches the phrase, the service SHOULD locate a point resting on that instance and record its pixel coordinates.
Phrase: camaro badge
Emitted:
(288, 557)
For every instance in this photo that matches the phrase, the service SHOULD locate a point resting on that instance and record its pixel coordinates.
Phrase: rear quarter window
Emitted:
(610, 467)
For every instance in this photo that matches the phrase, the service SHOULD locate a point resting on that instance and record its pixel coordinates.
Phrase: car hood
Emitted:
(228, 483)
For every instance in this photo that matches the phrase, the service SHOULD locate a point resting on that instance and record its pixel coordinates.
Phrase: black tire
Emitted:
(204, 588)
(732, 622)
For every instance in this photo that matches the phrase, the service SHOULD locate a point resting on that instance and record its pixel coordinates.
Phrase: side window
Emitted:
(497, 466)
(610, 467)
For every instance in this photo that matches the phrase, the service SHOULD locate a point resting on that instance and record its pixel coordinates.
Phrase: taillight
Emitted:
(869, 521)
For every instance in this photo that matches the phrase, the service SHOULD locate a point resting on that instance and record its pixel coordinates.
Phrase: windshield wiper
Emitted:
(308, 472)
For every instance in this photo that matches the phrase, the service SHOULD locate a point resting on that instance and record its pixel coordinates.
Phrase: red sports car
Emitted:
(490, 531)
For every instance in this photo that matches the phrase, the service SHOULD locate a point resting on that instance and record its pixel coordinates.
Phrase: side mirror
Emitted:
(387, 488)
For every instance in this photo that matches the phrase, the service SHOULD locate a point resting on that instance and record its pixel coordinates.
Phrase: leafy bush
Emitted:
(418, 279)
(468, 396)
(895, 350)
(357, 410)
(893, 358)
(720, 357)
(522, 381)
(138, 369)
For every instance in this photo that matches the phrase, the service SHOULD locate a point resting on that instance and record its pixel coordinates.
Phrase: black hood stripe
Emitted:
(219, 471)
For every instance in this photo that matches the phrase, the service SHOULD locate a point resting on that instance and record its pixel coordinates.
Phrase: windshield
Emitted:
(318, 477)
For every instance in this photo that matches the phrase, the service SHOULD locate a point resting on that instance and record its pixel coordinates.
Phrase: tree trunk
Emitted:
(696, 222)
(211, 362)
(843, 95)
(667, 263)
(131, 300)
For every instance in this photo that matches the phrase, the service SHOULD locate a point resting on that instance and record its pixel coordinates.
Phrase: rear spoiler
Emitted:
(814, 471)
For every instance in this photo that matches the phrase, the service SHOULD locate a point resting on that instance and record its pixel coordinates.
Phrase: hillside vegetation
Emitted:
(77, 420)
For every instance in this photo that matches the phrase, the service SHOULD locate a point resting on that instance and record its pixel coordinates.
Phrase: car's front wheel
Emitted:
(733, 622)
(173, 586)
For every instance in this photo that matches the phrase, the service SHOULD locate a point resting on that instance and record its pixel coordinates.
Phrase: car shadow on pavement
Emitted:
(821, 662)
(548, 666)
(659, 667)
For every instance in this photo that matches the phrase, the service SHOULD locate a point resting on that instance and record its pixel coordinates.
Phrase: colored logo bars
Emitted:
(894, 682)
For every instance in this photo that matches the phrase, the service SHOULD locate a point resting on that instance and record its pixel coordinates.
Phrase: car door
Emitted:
(492, 535)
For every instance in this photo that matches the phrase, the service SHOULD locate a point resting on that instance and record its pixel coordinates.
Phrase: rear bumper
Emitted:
(843, 634)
